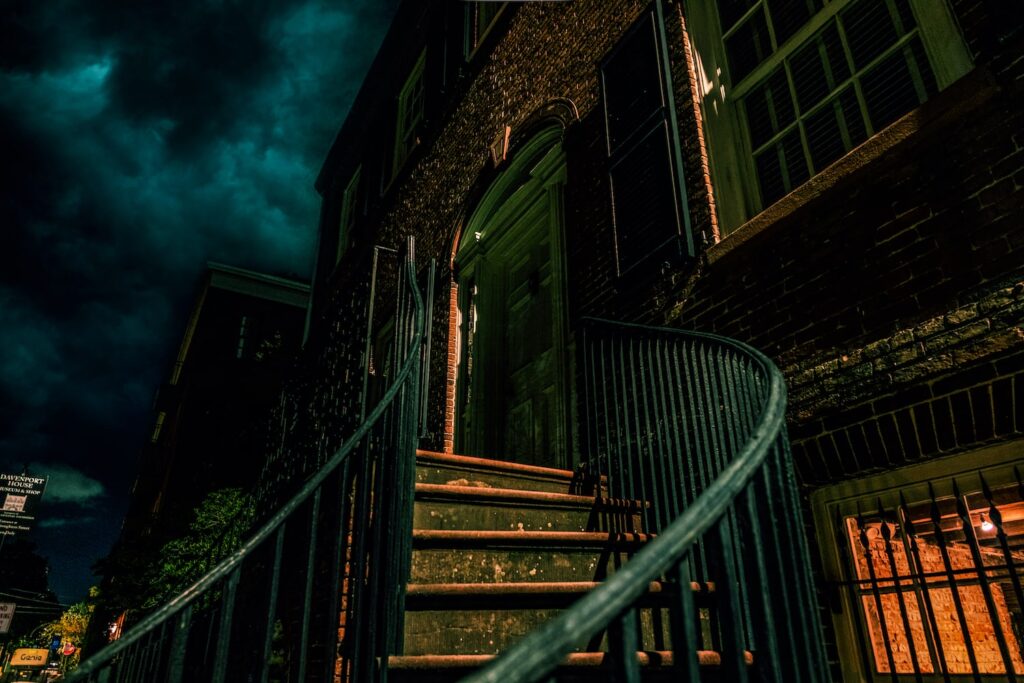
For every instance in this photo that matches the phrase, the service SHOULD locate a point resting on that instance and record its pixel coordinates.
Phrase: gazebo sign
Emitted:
(19, 496)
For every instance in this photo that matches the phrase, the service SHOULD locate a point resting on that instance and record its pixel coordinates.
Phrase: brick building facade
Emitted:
(871, 245)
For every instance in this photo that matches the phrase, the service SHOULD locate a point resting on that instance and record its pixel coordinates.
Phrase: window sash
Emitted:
(346, 219)
(411, 103)
(480, 19)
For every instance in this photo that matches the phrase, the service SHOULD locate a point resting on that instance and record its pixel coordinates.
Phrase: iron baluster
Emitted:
(848, 558)
(683, 617)
(940, 538)
(898, 585)
(865, 542)
(623, 644)
(924, 598)
(307, 593)
(179, 643)
(730, 610)
(227, 612)
(996, 518)
(634, 444)
(766, 647)
(275, 577)
(964, 512)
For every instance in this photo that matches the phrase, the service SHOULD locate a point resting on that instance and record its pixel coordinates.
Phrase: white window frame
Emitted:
(475, 33)
(346, 218)
(411, 101)
(734, 177)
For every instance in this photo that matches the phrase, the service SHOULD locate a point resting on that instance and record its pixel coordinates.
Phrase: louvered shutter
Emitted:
(648, 203)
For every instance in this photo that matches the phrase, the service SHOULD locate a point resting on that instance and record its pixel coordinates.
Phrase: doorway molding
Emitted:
(531, 181)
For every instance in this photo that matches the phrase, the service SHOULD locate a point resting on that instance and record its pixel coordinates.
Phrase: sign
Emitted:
(19, 496)
(6, 614)
(30, 656)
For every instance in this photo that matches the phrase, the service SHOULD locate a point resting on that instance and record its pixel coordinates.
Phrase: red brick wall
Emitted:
(983, 637)
(886, 293)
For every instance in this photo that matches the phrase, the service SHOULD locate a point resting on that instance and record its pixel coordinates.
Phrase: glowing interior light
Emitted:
(986, 524)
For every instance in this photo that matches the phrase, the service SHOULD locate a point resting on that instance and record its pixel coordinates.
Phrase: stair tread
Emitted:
(646, 658)
(521, 495)
(491, 464)
(529, 588)
(596, 539)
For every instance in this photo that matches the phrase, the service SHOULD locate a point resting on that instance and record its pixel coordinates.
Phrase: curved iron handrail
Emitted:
(230, 564)
(539, 653)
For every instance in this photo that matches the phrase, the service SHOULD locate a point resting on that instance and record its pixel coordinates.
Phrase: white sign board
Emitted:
(19, 496)
(6, 614)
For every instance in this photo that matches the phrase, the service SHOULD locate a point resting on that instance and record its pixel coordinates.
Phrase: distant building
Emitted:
(240, 344)
(208, 432)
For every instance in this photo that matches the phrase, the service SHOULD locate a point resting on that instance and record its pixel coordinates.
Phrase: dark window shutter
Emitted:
(648, 204)
(632, 83)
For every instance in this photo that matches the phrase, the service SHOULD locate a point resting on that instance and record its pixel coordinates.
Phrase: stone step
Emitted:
(446, 468)
(444, 556)
(579, 666)
(485, 618)
(446, 506)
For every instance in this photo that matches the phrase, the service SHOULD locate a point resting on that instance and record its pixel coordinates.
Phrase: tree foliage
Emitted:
(72, 627)
(145, 573)
(220, 522)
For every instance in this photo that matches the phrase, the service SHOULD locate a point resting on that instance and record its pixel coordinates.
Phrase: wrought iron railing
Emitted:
(933, 578)
(349, 519)
(695, 425)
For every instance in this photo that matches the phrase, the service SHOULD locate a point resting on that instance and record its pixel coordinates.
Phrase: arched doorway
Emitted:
(512, 381)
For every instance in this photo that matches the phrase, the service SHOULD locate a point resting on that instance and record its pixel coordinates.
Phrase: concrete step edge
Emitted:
(516, 596)
(503, 466)
(532, 588)
(503, 495)
(451, 538)
(655, 658)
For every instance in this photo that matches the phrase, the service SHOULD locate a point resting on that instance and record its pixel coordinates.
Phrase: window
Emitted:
(243, 334)
(645, 174)
(410, 114)
(928, 564)
(158, 426)
(349, 202)
(799, 83)
(480, 17)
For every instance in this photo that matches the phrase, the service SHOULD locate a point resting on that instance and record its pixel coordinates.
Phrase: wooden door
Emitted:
(529, 380)
(513, 397)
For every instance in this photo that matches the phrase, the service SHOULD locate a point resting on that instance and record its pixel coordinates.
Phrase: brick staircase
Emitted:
(499, 548)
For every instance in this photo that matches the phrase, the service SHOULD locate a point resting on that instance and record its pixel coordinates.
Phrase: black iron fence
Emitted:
(694, 425)
(933, 578)
(350, 519)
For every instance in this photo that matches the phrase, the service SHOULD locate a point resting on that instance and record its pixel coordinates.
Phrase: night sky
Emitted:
(140, 140)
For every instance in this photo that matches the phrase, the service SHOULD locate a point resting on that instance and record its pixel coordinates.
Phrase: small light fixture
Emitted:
(986, 523)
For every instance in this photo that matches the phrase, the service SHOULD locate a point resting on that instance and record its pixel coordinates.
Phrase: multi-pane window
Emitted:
(796, 84)
(410, 114)
(349, 201)
(480, 16)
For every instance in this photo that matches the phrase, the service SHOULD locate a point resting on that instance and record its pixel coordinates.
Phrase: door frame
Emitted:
(535, 172)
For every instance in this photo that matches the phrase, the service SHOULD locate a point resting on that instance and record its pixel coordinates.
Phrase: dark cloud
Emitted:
(141, 140)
